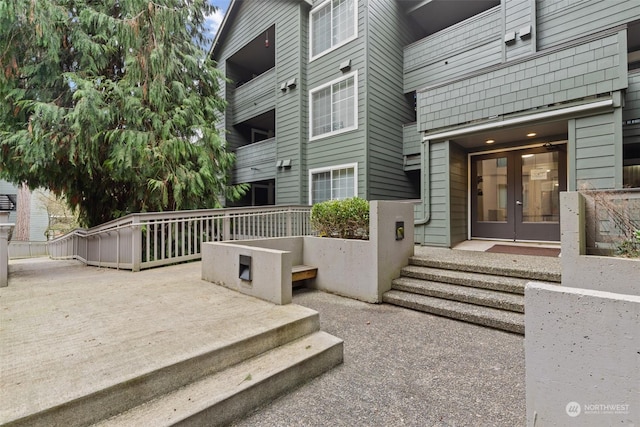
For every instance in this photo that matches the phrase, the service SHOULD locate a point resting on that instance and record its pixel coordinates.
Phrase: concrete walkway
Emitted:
(405, 368)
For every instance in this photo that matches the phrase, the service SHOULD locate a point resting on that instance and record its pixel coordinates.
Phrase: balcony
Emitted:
(464, 47)
(254, 97)
(411, 141)
(255, 162)
(584, 72)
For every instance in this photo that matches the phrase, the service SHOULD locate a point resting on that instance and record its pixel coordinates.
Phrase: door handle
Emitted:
(518, 202)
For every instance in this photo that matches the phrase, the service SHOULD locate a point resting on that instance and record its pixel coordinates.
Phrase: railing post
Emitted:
(226, 228)
(136, 244)
(289, 222)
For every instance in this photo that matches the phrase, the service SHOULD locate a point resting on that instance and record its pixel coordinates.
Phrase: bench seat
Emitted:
(303, 272)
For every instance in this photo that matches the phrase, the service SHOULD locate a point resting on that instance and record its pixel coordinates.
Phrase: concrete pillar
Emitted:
(5, 230)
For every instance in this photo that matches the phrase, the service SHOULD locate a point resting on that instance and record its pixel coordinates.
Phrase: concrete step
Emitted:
(500, 283)
(486, 316)
(488, 298)
(228, 395)
(136, 387)
(494, 264)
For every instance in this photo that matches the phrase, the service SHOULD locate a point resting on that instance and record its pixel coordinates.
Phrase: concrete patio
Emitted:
(80, 344)
(67, 328)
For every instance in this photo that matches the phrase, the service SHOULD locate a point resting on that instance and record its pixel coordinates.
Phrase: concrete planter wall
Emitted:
(360, 269)
(5, 236)
(582, 338)
(600, 273)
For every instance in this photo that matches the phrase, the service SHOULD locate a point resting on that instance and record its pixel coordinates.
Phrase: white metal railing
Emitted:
(27, 249)
(146, 240)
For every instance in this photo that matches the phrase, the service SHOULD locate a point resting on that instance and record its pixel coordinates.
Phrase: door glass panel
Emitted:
(491, 179)
(540, 187)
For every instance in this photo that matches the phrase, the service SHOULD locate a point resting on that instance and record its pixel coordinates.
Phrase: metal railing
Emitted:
(27, 249)
(146, 240)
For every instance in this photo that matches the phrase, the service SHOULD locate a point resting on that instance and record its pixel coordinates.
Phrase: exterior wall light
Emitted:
(244, 271)
(399, 230)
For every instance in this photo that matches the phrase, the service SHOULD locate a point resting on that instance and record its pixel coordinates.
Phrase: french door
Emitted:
(515, 195)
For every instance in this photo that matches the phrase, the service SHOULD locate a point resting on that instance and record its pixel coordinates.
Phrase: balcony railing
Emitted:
(254, 97)
(146, 240)
(466, 46)
(411, 142)
(255, 162)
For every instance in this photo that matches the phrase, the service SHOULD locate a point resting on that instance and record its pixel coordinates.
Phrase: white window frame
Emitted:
(312, 172)
(333, 46)
(353, 75)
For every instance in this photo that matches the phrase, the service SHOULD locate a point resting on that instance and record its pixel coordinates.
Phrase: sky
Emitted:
(214, 21)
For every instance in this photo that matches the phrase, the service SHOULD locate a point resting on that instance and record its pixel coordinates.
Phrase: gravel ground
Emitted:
(405, 368)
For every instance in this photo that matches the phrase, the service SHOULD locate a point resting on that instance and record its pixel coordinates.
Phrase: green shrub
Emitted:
(630, 248)
(348, 218)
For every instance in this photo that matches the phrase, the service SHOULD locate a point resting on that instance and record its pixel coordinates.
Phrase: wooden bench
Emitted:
(303, 272)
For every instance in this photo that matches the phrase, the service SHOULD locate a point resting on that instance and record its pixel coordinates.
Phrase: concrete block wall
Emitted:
(586, 69)
(581, 351)
(359, 269)
(581, 356)
(270, 268)
(599, 273)
(5, 231)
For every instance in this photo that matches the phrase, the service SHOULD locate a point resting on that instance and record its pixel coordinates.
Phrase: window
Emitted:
(338, 182)
(334, 107)
(333, 24)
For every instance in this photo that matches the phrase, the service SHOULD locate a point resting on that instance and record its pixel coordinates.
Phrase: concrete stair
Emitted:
(225, 396)
(478, 288)
(209, 388)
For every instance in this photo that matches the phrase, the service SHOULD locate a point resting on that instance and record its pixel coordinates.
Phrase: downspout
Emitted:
(425, 184)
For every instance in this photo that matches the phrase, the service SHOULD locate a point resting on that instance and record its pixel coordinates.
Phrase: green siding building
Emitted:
(481, 111)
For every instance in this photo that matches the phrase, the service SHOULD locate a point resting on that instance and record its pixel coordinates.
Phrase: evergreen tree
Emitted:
(112, 104)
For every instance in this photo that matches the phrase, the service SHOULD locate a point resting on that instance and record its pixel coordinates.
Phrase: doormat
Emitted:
(524, 250)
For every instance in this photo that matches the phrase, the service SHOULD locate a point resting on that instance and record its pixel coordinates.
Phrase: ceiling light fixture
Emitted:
(490, 141)
(531, 134)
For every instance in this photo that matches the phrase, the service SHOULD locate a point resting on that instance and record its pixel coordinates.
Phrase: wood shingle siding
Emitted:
(586, 69)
